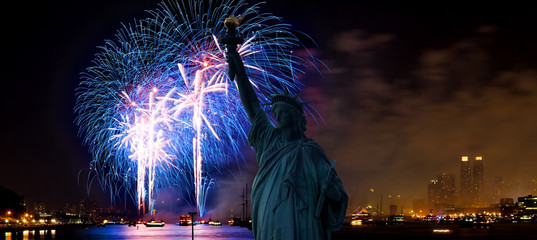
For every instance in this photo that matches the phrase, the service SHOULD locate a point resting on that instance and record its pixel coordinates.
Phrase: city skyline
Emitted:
(443, 197)
(409, 90)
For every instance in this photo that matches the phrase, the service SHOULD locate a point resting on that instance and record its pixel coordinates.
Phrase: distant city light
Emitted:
(478, 158)
(464, 158)
(356, 222)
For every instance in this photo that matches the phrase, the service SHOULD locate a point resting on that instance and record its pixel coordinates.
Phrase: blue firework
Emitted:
(157, 109)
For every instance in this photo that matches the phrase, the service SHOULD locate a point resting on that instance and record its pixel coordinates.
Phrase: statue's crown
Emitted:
(293, 101)
(286, 98)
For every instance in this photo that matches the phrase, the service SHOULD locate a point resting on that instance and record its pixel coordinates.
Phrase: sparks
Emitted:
(157, 109)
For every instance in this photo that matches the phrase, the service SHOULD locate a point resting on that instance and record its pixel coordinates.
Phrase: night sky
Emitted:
(409, 89)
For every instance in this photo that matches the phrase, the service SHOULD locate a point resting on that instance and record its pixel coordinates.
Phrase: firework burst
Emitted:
(157, 109)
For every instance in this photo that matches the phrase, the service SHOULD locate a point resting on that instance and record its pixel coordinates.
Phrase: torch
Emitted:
(231, 38)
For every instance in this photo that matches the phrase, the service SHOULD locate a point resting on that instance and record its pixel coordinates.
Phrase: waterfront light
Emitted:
(441, 230)
(356, 222)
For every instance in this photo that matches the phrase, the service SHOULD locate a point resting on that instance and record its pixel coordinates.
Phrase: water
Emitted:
(123, 232)
(497, 231)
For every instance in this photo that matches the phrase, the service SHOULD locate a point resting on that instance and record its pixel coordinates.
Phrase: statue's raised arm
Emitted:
(236, 67)
(296, 193)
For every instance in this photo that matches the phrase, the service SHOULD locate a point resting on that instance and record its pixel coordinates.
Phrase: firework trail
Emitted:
(146, 140)
(157, 109)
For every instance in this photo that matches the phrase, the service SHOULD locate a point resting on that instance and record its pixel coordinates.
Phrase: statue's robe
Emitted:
(296, 193)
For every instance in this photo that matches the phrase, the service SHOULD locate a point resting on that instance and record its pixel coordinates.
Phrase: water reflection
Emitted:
(30, 234)
(123, 232)
(167, 232)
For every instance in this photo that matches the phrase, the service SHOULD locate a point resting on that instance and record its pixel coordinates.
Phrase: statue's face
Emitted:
(285, 115)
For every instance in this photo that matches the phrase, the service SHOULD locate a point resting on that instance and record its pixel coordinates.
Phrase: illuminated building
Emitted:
(433, 192)
(447, 188)
(466, 181)
(442, 192)
(478, 177)
(39, 207)
(507, 206)
(527, 205)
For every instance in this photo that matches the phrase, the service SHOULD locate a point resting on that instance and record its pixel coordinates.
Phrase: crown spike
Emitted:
(267, 95)
(285, 90)
(284, 98)
(273, 88)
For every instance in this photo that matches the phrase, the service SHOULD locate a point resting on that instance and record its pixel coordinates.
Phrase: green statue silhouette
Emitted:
(296, 193)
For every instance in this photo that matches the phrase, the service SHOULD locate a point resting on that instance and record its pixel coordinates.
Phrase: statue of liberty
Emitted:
(296, 193)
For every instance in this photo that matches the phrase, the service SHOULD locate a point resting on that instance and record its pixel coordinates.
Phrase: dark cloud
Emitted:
(394, 138)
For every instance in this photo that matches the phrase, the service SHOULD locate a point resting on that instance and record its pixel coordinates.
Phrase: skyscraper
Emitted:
(478, 181)
(466, 182)
(441, 192)
(433, 193)
(497, 189)
(447, 188)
